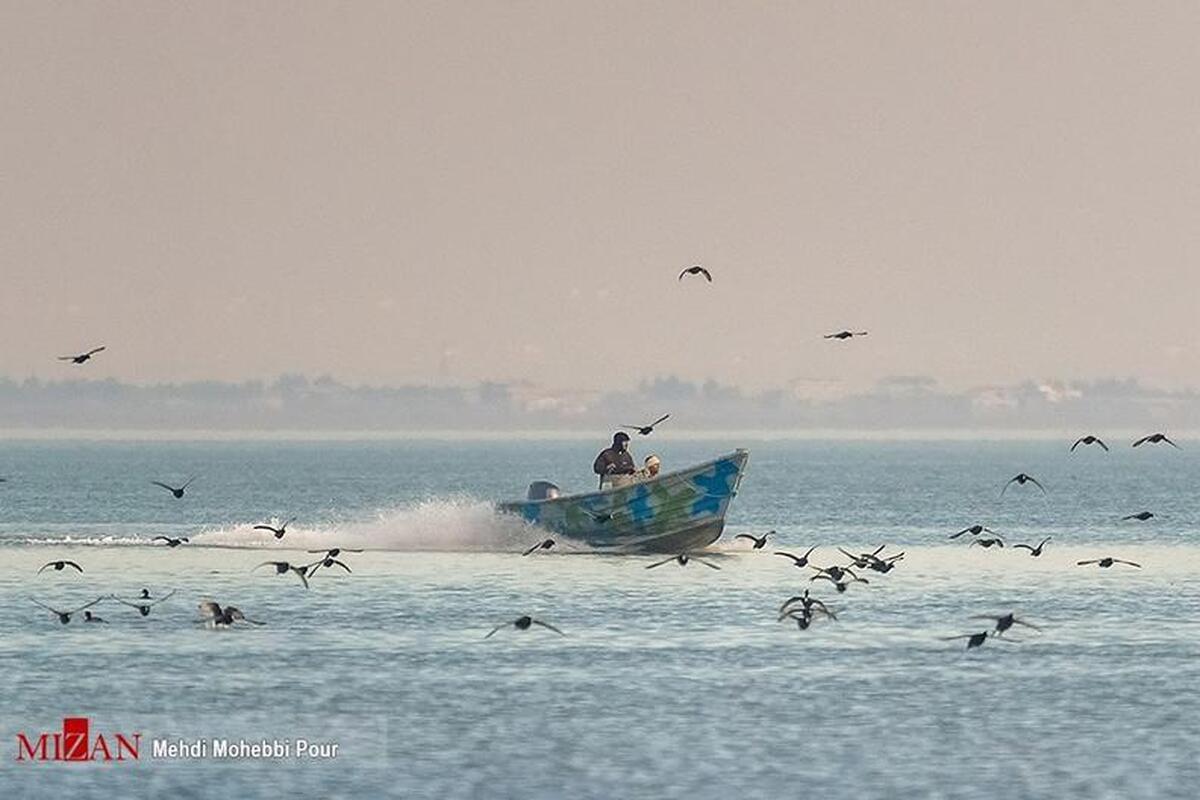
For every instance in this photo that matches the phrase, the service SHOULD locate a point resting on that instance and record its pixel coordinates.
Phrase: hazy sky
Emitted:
(403, 192)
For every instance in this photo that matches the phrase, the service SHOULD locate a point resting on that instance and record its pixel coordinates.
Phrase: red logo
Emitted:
(75, 743)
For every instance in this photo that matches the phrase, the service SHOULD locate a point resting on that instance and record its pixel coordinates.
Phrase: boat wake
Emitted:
(454, 525)
(442, 524)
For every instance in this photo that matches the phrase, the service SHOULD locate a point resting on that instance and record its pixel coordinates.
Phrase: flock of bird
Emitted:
(210, 611)
(803, 609)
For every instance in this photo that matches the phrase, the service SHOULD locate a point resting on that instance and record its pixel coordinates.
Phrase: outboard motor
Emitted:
(542, 490)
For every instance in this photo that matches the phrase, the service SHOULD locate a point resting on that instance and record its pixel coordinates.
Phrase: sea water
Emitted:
(671, 682)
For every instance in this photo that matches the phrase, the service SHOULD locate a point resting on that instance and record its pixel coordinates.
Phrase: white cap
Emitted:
(652, 461)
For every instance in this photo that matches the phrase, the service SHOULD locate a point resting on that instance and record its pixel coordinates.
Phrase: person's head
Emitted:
(621, 440)
(653, 465)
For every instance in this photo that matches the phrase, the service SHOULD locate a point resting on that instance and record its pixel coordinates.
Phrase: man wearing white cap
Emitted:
(650, 468)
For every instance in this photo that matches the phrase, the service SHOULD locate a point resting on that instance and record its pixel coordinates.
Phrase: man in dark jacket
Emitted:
(614, 465)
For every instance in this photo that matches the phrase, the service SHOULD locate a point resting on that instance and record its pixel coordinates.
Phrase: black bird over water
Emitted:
(872, 560)
(1021, 479)
(973, 639)
(334, 552)
(65, 616)
(988, 542)
(58, 565)
(90, 617)
(1141, 516)
(974, 530)
(799, 561)
(835, 573)
(806, 602)
(145, 603)
(224, 616)
(682, 559)
(696, 269)
(843, 335)
(171, 542)
(544, 544)
(82, 357)
(282, 567)
(862, 560)
(885, 564)
(1108, 561)
(177, 492)
(523, 623)
(327, 562)
(279, 532)
(1089, 439)
(1033, 551)
(1155, 438)
(759, 541)
(646, 430)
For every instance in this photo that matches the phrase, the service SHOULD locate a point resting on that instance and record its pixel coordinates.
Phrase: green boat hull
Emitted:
(674, 512)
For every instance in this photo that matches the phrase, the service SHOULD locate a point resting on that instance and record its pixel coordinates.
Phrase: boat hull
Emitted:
(673, 513)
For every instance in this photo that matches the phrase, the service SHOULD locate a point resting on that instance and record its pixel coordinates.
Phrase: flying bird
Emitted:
(1155, 438)
(1108, 561)
(682, 559)
(806, 602)
(759, 541)
(843, 335)
(646, 430)
(1141, 516)
(65, 616)
(544, 544)
(327, 562)
(885, 565)
(973, 639)
(282, 567)
(523, 623)
(1033, 551)
(835, 573)
(334, 552)
(146, 604)
(82, 357)
(177, 492)
(872, 561)
(279, 532)
(974, 530)
(988, 542)
(171, 542)
(1089, 439)
(58, 565)
(224, 616)
(696, 269)
(863, 560)
(1021, 479)
(799, 561)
